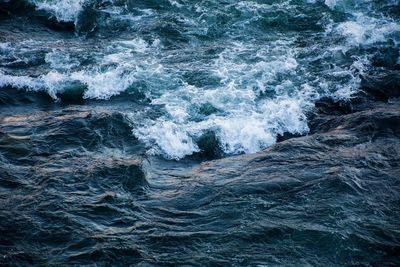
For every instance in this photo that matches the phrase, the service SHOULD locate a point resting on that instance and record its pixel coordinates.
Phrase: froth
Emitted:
(241, 118)
(113, 75)
(243, 132)
(365, 30)
(63, 10)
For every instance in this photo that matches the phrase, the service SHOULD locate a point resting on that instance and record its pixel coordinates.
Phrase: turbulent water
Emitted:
(107, 106)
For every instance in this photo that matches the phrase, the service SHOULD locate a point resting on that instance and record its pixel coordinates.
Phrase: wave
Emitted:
(235, 73)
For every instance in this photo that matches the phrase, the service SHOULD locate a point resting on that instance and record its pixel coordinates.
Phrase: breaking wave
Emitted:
(241, 73)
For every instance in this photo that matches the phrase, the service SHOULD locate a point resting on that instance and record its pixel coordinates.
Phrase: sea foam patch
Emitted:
(63, 10)
(236, 110)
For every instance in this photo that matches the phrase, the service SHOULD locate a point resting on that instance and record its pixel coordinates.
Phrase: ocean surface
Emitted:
(109, 107)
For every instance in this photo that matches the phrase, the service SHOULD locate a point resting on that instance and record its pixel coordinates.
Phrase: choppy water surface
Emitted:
(106, 106)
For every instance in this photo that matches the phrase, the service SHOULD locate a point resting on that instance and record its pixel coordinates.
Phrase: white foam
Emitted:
(365, 30)
(167, 138)
(20, 82)
(63, 10)
(341, 83)
(353, 31)
(103, 85)
(52, 82)
(113, 75)
(240, 132)
(243, 134)
(247, 123)
(252, 132)
(100, 85)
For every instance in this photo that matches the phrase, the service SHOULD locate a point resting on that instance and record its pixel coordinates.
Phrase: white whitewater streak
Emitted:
(63, 10)
(103, 85)
(252, 132)
(246, 132)
(360, 31)
(168, 138)
(100, 85)
(51, 82)
(347, 90)
(20, 82)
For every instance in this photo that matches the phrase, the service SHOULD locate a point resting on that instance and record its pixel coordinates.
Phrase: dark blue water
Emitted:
(108, 108)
